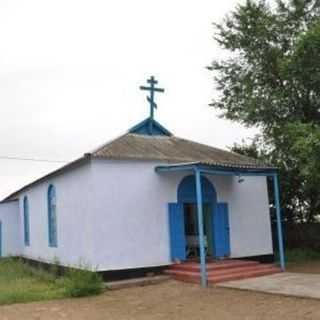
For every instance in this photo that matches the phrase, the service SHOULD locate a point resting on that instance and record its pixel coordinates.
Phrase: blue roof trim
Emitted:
(216, 170)
(144, 128)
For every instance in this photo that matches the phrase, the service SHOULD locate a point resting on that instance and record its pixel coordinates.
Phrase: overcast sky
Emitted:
(70, 72)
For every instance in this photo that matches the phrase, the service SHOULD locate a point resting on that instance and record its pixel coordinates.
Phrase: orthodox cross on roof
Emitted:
(152, 89)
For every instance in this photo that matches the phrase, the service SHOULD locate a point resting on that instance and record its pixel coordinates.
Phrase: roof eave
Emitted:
(218, 168)
(85, 158)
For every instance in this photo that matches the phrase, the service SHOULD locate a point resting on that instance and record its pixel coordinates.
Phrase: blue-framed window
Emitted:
(26, 221)
(52, 216)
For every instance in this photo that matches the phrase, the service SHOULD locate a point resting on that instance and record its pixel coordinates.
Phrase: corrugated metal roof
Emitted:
(172, 149)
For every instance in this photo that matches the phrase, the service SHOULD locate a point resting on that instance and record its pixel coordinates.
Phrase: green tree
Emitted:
(271, 80)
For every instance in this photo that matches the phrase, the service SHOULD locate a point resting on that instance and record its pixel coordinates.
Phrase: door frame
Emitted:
(186, 194)
(207, 223)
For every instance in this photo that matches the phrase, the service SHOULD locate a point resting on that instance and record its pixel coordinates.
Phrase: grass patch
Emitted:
(19, 283)
(300, 255)
(81, 283)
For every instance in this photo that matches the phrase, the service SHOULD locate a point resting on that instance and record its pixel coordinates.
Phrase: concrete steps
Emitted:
(220, 271)
(219, 265)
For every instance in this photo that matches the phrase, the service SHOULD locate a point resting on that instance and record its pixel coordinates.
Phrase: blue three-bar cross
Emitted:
(152, 89)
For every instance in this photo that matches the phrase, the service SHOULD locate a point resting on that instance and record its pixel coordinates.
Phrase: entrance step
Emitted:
(221, 271)
(219, 265)
(244, 275)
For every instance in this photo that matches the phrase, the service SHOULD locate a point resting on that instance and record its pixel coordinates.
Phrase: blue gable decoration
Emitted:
(144, 128)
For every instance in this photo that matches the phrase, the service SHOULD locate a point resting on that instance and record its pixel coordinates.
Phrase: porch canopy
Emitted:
(199, 168)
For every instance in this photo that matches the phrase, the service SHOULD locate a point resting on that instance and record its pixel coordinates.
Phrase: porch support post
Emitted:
(201, 229)
(279, 223)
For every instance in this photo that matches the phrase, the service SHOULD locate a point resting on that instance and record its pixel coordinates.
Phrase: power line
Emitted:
(31, 159)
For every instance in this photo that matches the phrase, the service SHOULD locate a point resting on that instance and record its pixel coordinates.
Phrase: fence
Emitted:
(302, 235)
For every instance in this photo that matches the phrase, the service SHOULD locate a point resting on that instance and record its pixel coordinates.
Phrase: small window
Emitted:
(52, 216)
(26, 222)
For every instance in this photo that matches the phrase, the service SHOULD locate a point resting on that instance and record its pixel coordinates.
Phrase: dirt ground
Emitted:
(169, 300)
(310, 267)
(173, 300)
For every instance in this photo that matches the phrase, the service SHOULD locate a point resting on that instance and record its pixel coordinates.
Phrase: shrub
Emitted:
(55, 268)
(82, 283)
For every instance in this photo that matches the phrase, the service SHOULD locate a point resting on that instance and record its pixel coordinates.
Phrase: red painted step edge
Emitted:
(221, 273)
(224, 274)
(240, 276)
(241, 269)
(183, 273)
(213, 266)
(193, 279)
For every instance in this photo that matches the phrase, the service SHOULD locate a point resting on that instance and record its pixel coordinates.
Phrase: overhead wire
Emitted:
(31, 159)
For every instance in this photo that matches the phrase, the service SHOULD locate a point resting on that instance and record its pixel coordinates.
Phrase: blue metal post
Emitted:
(201, 230)
(279, 223)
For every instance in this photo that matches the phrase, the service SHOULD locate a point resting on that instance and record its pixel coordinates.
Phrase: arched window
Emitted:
(26, 222)
(52, 216)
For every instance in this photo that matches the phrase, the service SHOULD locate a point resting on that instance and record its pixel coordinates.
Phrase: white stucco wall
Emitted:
(10, 225)
(130, 219)
(249, 215)
(73, 207)
(113, 215)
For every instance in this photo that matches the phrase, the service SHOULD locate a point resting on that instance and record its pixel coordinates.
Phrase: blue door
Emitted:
(221, 230)
(177, 231)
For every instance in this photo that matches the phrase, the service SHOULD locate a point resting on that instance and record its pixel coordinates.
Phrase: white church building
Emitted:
(146, 199)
